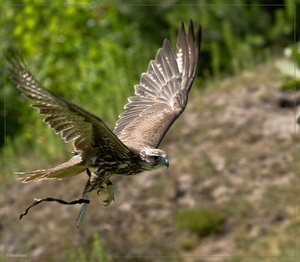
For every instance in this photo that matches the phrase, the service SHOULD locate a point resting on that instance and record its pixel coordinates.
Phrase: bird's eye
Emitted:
(156, 158)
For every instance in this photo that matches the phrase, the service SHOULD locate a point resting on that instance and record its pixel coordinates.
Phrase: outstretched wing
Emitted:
(162, 93)
(71, 121)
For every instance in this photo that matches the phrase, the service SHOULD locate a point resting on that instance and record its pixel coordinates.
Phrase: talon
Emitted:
(111, 195)
(100, 189)
(107, 201)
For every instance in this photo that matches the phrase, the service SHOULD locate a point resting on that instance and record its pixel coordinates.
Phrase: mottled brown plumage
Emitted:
(161, 96)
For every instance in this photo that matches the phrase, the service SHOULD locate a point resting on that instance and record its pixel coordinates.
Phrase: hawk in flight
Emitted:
(131, 148)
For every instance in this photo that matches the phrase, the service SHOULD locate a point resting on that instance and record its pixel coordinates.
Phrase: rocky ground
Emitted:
(230, 194)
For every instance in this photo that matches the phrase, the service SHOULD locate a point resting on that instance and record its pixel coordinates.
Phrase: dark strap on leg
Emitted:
(88, 172)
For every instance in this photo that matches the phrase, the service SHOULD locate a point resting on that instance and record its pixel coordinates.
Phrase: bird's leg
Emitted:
(110, 190)
(93, 183)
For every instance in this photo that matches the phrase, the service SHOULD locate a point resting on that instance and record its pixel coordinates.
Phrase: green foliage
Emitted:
(97, 253)
(291, 85)
(202, 220)
(235, 35)
(83, 53)
(189, 242)
(290, 65)
(93, 54)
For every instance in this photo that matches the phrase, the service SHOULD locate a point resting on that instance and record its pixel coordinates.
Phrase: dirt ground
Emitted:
(234, 152)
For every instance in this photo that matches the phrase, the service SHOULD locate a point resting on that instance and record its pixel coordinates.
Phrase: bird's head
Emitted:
(154, 158)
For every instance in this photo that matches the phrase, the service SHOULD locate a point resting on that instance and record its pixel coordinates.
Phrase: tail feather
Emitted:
(70, 168)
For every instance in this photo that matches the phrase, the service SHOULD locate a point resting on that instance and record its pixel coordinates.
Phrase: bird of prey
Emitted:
(160, 97)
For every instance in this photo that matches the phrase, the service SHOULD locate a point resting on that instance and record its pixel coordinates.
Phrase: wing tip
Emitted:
(196, 38)
(189, 45)
(190, 35)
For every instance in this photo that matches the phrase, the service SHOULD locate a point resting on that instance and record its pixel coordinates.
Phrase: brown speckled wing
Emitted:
(162, 93)
(71, 121)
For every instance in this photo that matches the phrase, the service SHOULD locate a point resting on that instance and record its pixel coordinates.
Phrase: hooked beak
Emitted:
(167, 162)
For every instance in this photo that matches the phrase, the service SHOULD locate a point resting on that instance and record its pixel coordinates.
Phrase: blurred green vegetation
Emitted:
(202, 220)
(199, 222)
(290, 66)
(93, 54)
(97, 252)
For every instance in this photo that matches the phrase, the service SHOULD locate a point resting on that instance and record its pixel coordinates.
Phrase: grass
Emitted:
(97, 252)
(203, 221)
